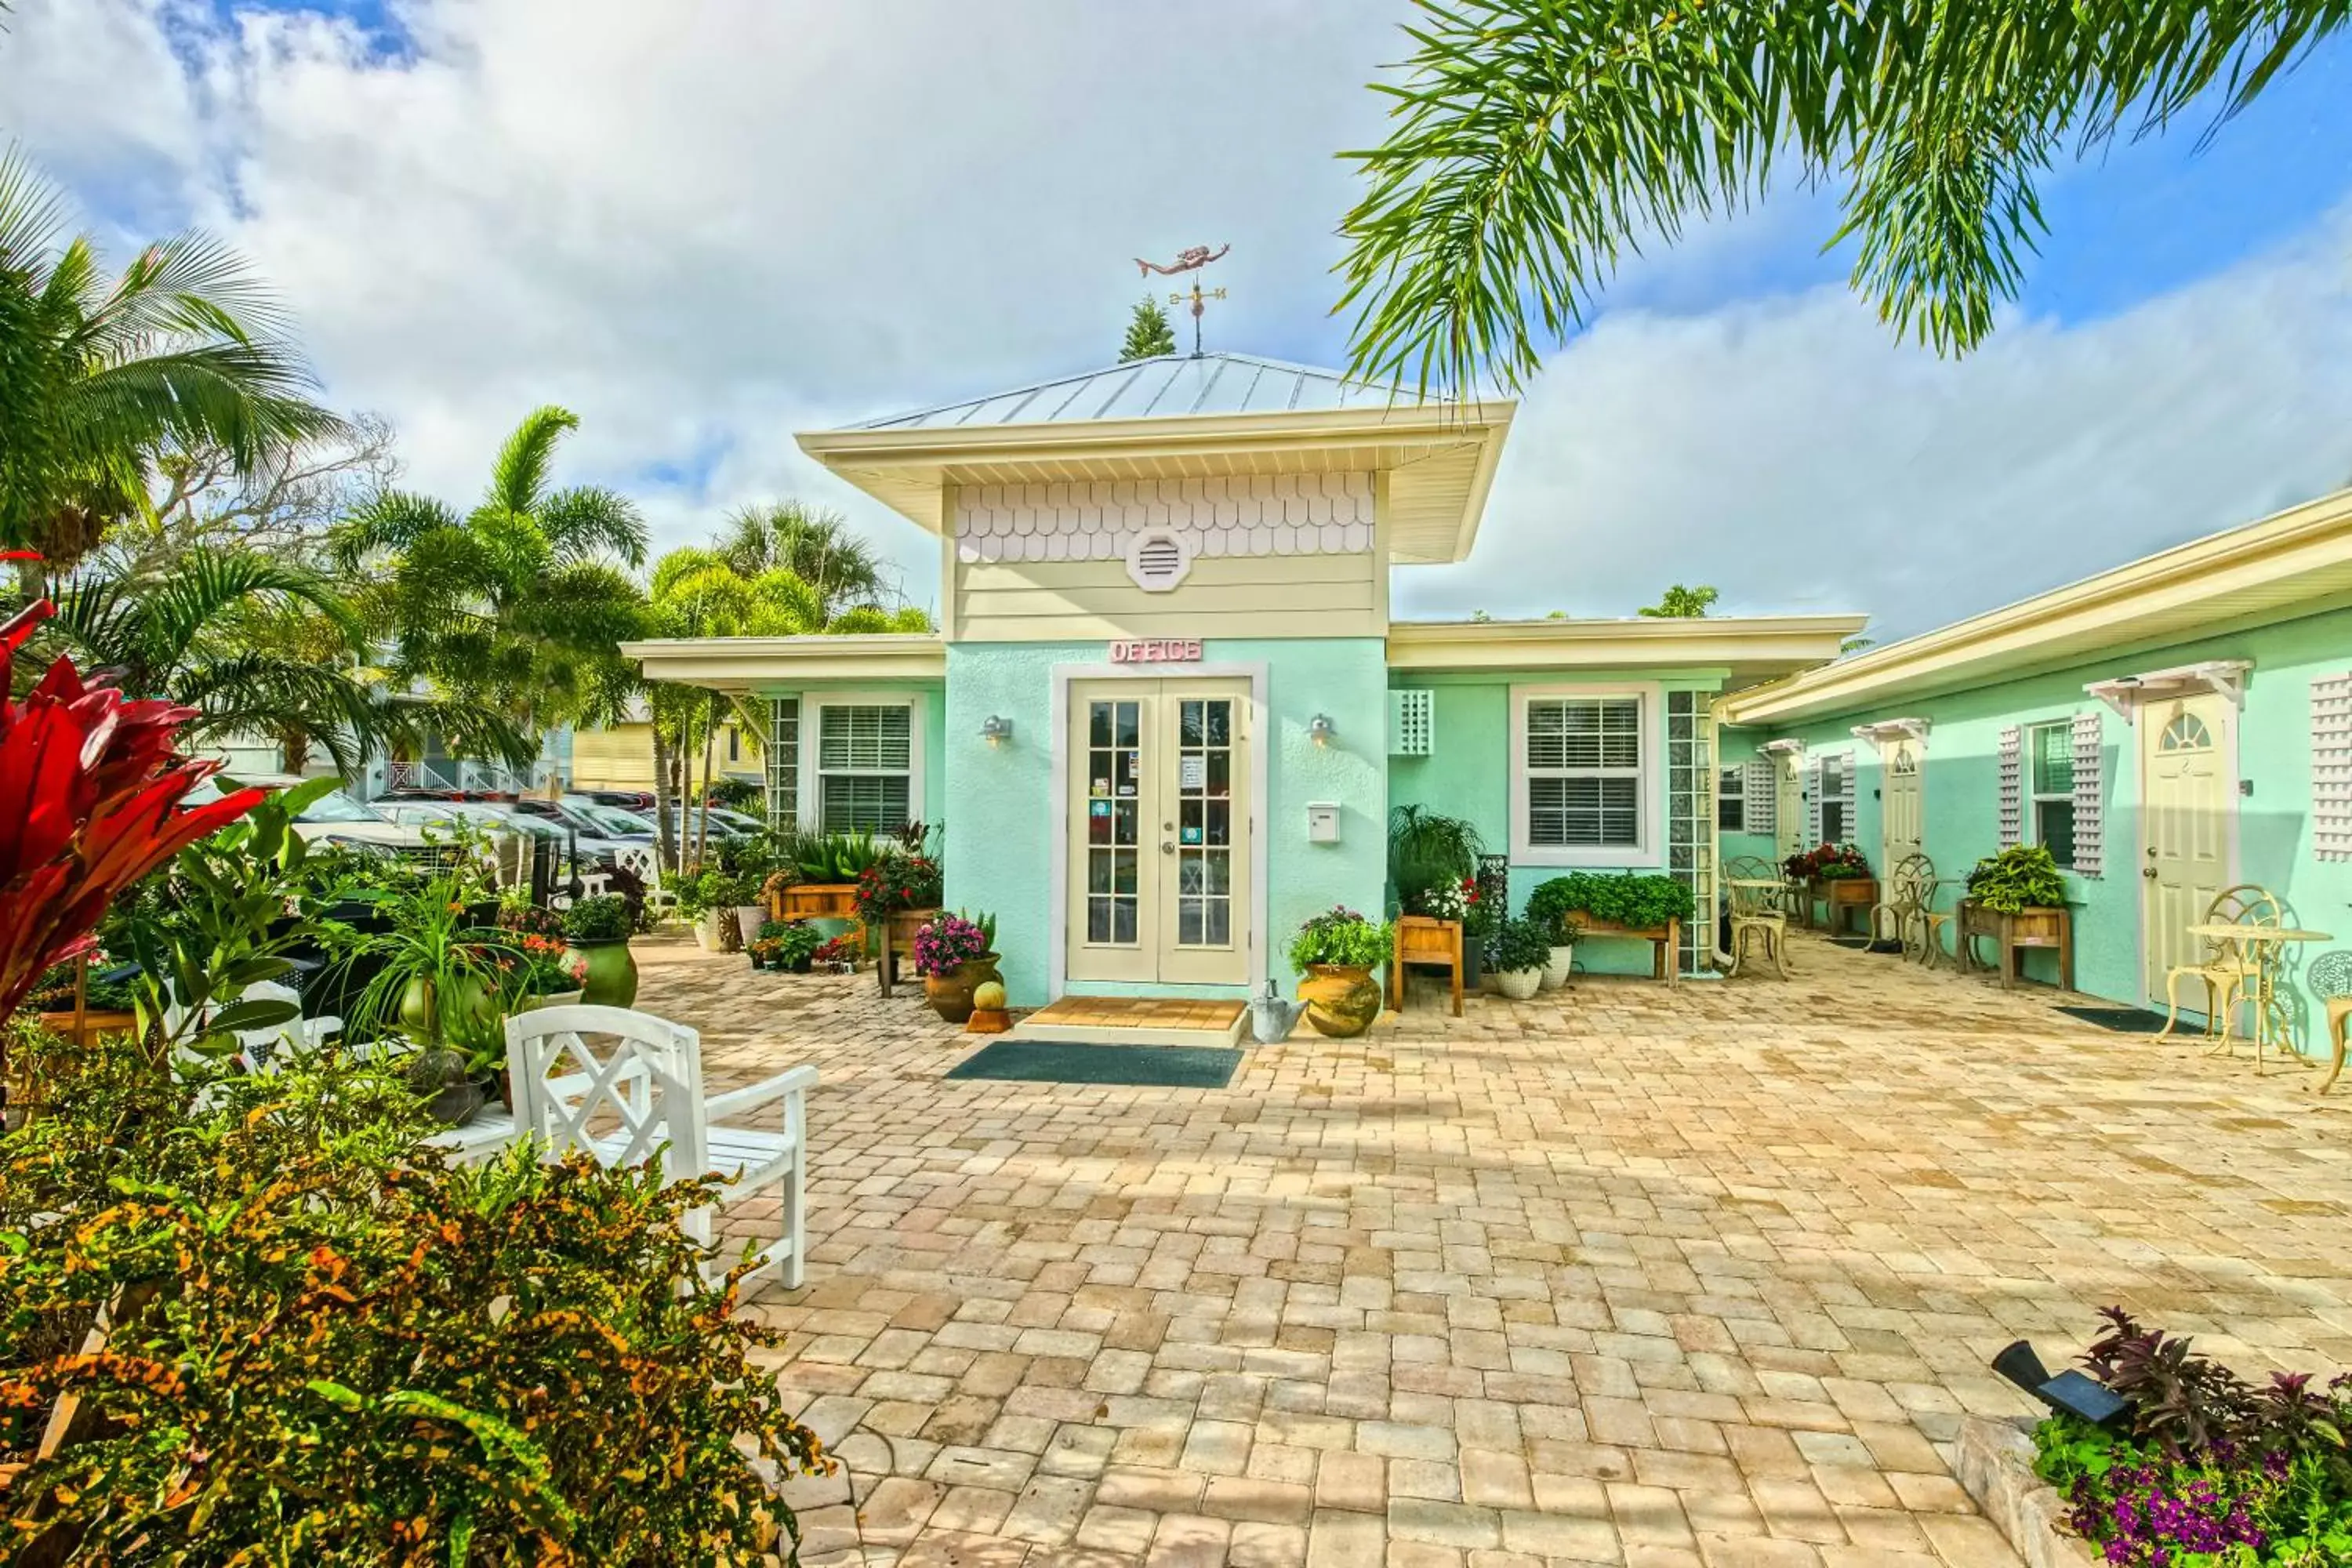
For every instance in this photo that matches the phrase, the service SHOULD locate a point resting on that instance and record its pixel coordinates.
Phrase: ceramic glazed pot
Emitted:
(612, 973)
(950, 995)
(1518, 984)
(550, 999)
(1340, 1001)
(1563, 960)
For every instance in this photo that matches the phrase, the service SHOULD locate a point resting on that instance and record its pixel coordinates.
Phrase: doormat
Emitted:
(2122, 1020)
(1867, 944)
(1075, 1061)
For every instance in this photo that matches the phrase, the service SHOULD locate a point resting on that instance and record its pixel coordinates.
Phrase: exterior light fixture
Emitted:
(1320, 729)
(2069, 1392)
(996, 729)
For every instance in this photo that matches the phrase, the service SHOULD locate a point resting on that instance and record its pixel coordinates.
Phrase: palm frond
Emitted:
(518, 478)
(32, 214)
(192, 287)
(390, 523)
(245, 398)
(253, 692)
(587, 522)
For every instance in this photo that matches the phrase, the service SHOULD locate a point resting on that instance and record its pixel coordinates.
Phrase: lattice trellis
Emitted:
(1690, 819)
(2012, 786)
(2090, 820)
(1760, 794)
(2331, 767)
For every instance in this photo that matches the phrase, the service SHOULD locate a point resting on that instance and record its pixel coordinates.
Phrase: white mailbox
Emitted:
(1322, 822)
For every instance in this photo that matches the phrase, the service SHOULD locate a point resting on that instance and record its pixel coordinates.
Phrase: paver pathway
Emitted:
(1621, 1275)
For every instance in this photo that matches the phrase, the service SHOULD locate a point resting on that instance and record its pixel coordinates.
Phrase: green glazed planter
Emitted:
(612, 973)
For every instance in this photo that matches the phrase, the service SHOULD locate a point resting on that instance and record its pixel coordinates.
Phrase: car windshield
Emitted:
(613, 819)
(336, 807)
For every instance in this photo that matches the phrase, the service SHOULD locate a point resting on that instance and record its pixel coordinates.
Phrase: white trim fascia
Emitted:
(1886, 730)
(1651, 851)
(811, 807)
(1058, 902)
(2125, 693)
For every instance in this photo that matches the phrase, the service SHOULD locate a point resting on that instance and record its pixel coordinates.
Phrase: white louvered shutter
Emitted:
(2012, 786)
(2331, 767)
(2090, 827)
(1813, 801)
(1761, 790)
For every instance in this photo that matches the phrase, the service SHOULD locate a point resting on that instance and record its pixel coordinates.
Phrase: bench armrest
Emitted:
(735, 1101)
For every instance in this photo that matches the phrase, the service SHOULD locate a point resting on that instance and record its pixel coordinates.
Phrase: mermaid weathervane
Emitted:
(1190, 260)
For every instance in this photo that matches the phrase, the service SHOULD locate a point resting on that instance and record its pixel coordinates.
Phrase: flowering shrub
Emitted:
(897, 882)
(1449, 901)
(1827, 863)
(2206, 1471)
(548, 966)
(837, 953)
(946, 944)
(1340, 938)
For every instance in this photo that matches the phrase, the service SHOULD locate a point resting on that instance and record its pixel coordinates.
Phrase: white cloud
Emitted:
(703, 227)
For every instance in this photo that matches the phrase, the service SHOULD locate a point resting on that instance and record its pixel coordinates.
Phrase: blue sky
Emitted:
(704, 227)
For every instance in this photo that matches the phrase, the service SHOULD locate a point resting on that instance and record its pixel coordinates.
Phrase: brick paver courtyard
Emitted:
(1621, 1275)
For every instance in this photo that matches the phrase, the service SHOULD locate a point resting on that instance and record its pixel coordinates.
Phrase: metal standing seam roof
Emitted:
(1170, 386)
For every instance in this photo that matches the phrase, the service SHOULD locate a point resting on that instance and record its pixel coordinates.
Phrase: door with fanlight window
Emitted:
(2189, 810)
(1788, 805)
(1160, 831)
(1901, 801)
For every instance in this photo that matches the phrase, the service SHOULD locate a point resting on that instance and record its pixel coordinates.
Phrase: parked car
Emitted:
(626, 799)
(334, 818)
(614, 822)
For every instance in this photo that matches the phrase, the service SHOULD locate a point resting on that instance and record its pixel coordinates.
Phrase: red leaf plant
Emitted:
(91, 793)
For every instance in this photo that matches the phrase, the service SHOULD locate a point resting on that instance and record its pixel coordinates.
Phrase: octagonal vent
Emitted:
(1158, 561)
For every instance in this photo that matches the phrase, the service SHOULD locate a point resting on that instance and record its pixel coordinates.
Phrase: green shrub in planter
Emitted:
(2021, 877)
(305, 1364)
(1339, 938)
(1637, 901)
(605, 918)
(1519, 945)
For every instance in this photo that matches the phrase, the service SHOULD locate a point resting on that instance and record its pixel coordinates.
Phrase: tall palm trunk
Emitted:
(702, 833)
(664, 840)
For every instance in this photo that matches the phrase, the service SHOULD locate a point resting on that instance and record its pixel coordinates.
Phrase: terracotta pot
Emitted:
(1563, 962)
(1341, 1002)
(1518, 984)
(612, 973)
(950, 995)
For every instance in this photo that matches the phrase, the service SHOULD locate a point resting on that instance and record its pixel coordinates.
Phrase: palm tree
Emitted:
(257, 646)
(516, 607)
(1534, 142)
(816, 546)
(97, 378)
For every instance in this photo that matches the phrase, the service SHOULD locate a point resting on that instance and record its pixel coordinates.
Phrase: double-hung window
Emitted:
(865, 767)
(1581, 789)
(1731, 800)
(2050, 797)
(1837, 798)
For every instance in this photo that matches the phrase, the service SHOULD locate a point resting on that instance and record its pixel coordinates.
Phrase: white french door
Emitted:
(1160, 831)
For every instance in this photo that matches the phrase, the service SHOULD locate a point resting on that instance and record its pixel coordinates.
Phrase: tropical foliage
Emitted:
(1149, 335)
(843, 569)
(1532, 144)
(100, 377)
(1634, 900)
(1681, 603)
(2021, 877)
(1341, 938)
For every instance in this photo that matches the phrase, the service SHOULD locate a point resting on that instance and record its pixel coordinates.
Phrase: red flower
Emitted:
(93, 790)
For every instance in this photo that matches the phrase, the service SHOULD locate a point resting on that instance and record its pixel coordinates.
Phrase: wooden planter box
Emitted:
(2049, 928)
(815, 900)
(1666, 939)
(1839, 898)
(1420, 939)
(897, 937)
(94, 1023)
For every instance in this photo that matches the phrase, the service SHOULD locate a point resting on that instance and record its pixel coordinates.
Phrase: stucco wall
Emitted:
(2273, 827)
(1468, 775)
(1000, 820)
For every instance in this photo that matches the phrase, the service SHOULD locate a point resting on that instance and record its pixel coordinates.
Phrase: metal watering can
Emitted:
(1272, 1017)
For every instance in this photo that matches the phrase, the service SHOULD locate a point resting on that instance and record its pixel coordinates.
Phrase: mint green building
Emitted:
(2170, 729)
(1167, 711)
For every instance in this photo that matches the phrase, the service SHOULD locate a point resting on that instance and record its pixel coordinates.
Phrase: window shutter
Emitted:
(1413, 722)
(2088, 824)
(2331, 767)
(1762, 792)
(1813, 801)
(2012, 786)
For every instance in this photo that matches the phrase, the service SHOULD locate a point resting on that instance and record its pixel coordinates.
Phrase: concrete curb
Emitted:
(1995, 1464)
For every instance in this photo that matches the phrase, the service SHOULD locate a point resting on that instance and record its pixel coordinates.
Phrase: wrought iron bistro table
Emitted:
(2271, 1024)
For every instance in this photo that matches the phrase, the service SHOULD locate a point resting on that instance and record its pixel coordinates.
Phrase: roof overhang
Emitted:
(748, 664)
(2298, 562)
(1750, 648)
(1439, 459)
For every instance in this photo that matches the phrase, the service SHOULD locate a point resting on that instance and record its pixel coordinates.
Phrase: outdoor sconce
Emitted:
(1321, 728)
(997, 729)
(2069, 1392)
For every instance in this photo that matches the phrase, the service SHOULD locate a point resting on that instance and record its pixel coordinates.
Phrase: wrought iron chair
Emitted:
(1759, 911)
(2229, 969)
(2331, 981)
(1907, 915)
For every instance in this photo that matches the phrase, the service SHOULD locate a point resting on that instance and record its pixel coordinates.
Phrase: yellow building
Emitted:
(621, 756)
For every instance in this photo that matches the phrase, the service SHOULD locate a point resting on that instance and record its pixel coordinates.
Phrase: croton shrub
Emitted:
(2205, 1471)
(329, 1345)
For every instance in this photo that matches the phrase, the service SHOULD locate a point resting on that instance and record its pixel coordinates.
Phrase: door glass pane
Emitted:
(1203, 817)
(1114, 827)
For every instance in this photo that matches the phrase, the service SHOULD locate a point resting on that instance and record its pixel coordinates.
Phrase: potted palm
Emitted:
(955, 955)
(597, 930)
(442, 981)
(1336, 953)
(1521, 949)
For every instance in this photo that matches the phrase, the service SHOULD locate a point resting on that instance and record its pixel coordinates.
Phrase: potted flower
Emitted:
(1522, 949)
(954, 954)
(788, 946)
(1336, 953)
(549, 975)
(835, 955)
(597, 930)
